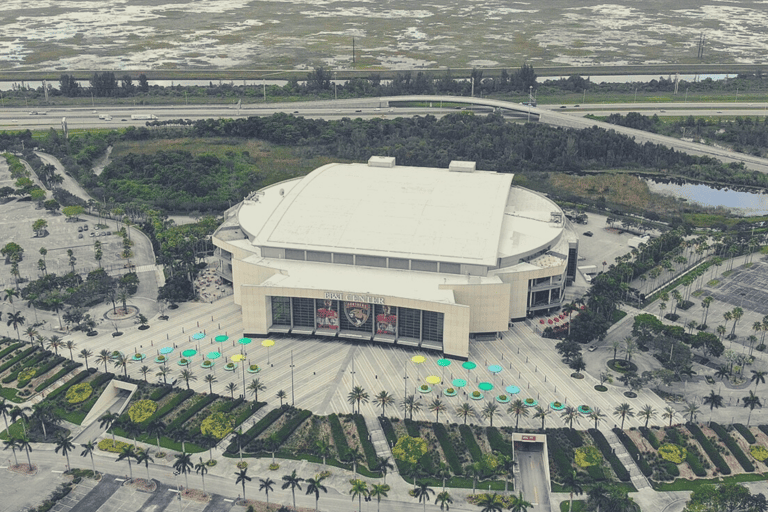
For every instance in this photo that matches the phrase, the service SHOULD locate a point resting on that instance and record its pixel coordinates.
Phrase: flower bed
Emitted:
(217, 425)
(116, 354)
(207, 364)
(450, 392)
(425, 389)
(530, 402)
(79, 393)
(673, 453)
(476, 395)
(139, 357)
(584, 409)
(758, 452)
(254, 368)
(586, 456)
(502, 399)
(557, 406)
(108, 446)
(142, 410)
(183, 362)
(161, 359)
(230, 367)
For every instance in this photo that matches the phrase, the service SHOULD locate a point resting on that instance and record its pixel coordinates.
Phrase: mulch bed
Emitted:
(142, 484)
(195, 495)
(261, 506)
(23, 469)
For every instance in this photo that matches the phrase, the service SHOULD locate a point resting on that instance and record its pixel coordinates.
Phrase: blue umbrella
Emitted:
(494, 368)
(198, 336)
(512, 390)
(166, 350)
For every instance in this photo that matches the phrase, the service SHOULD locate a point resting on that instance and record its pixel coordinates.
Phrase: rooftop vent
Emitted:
(459, 166)
(381, 161)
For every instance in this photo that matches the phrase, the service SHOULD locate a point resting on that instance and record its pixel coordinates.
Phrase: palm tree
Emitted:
(737, 314)
(758, 377)
(465, 410)
(144, 370)
(722, 373)
(55, 344)
(323, 448)
(569, 415)
(489, 411)
(573, 484)
(103, 357)
(293, 481)
(16, 319)
(187, 376)
(669, 414)
(21, 414)
(210, 379)
(85, 354)
(541, 414)
(519, 504)
(506, 466)
(518, 408)
(243, 477)
(231, 387)
(164, 372)
(357, 395)
(378, 492)
(623, 411)
(647, 412)
(384, 465)
(444, 499)
(714, 401)
(356, 457)
(156, 428)
(9, 294)
(254, 387)
(13, 444)
(314, 486)
(107, 421)
(122, 362)
(596, 415)
(409, 405)
(145, 457)
(5, 411)
(751, 401)
(88, 449)
(384, 400)
(422, 493)
(691, 409)
(69, 344)
(64, 443)
(265, 484)
(127, 453)
(720, 331)
(184, 465)
(282, 396)
(31, 332)
(202, 468)
(359, 490)
(490, 502)
(600, 495)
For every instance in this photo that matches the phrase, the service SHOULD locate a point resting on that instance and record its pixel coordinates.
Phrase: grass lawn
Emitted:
(626, 485)
(10, 394)
(618, 315)
(16, 431)
(578, 506)
(682, 484)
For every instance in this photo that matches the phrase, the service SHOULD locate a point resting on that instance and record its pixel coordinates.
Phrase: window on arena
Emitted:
(303, 312)
(450, 268)
(409, 323)
(424, 266)
(281, 311)
(293, 254)
(343, 259)
(324, 257)
(432, 328)
(398, 263)
(370, 261)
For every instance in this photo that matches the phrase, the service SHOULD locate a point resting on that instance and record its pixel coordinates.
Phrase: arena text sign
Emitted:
(353, 297)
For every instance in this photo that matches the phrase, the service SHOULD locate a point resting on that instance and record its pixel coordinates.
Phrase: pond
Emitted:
(738, 201)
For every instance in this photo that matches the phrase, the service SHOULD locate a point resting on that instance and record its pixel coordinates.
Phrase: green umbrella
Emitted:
(221, 338)
(189, 352)
(244, 341)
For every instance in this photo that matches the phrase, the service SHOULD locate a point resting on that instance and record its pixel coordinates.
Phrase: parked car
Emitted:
(80, 236)
(592, 348)
(85, 227)
(92, 233)
(80, 229)
(588, 233)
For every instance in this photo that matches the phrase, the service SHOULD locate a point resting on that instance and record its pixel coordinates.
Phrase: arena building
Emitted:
(412, 256)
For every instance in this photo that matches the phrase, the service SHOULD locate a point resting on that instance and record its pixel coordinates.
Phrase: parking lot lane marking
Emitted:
(56, 471)
(228, 500)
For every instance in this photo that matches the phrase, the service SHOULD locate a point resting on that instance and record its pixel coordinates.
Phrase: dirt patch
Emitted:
(195, 495)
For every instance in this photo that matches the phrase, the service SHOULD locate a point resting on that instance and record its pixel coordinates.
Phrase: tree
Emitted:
(201, 468)
(596, 415)
(737, 313)
(184, 465)
(39, 226)
(465, 410)
(569, 415)
(379, 491)
(163, 372)
(121, 362)
(647, 412)
(410, 405)
(541, 414)
(518, 408)
(254, 387)
(384, 464)
(70, 345)
(187, 376)
(144, 370)
(85, 354)
(691, 410)
(384, 400)
(293, 481)
(17, 320)
(5, 411)
(210, 379)
(242, 477)
(489, 411)
(623, 411)
(577, 365)
(31, 332)
(751, 401)
(265, 484)
(127, 453)
(9, 294)
(572, 483)
(88, 449)
(13, 444)
(519, 504)
(714, 401)
(281, 395)
(64, 443)
(107, 421)
(357, 395)
(156, 428)
(722, 373)
(422, 493)
(669, 414)
(359, 490)
(231, 387)
(314, 486)
(490, 503)
(45, 413)
(437, 406)
(758, 377)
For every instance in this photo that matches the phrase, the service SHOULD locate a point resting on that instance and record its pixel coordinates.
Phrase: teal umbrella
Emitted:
(189, 352)
(198, 336)
(459, 383)
(213, 355)
(244, 341)
(469, 365)
(166, 350)
(443, 362)
(485, 386)
(221, 338)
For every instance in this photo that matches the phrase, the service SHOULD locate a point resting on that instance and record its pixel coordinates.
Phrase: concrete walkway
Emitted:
(637, 477)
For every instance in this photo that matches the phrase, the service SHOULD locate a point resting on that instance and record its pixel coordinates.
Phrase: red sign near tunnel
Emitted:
(529, 438)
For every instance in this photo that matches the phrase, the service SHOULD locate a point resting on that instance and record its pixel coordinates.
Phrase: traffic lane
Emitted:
(533, 481)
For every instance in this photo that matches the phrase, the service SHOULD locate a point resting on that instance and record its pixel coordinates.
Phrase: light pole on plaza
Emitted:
(353, 372)
(292, 366)
(405, 383)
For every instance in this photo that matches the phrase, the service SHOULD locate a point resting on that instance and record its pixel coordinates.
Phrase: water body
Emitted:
(738, 201)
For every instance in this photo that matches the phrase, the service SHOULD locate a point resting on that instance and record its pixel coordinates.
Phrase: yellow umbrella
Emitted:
(238, 357)
(267, 343)
(433, 379)
(418, 359)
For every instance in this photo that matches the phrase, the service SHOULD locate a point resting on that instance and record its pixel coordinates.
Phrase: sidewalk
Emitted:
(637, 477)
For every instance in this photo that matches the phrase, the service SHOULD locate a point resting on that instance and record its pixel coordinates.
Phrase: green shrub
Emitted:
(471, 443)
(160, 392)
(217, 425)
(763, 429)
(634, 452)
(745, 433)
(596, 473)
(339, 438)
(673, 453)
(602, 444)
(53, 363)
(53, 378)
(671, 468)
(247, 412)
(10, 349)
(586, 456)
(497, 442)
(673, 436)
(692, 458)
(445, 443)
(412, 427)
(709, 448)
(228, 405)
(758, 452)
(141, 410)
(734, 447)
(389, 431)
(260, 426)
(368, 448)
(197, 407)
(651, 437)
(573, 437)
(285, 431)
(560, 454)
(171, 405)
(16, 359)
(410, 449)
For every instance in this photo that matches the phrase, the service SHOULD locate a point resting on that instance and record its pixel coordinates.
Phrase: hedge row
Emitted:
(745, 433)
(596, 473)
(247, 412)
(441, 433)
(634, 452)
(16, 359)
(260, 426)
(28, 363)
(650, 436)
(50, 365)
(53, 378)
(389, 430)
(712, 452)
(673, 436)
(368, 448)
(573, 437)
(160, 392)
(732, 445)
(412, 427)
(183, 417)
(497, 442)
(559, 455)
(171, 405)
(763, 429)
(339, 439)
(692, 458)
(289, 426)
(471, 443)
(71, 382)
(671, 468)
(605, 448)
(232, 404)
(10, 349)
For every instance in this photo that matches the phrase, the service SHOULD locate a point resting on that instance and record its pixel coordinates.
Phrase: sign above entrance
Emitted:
(357, 312)
(353, 297)
(529, 438)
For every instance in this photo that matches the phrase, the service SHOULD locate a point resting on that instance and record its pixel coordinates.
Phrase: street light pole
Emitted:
(178, 490)
(405, 383)
(292, 366)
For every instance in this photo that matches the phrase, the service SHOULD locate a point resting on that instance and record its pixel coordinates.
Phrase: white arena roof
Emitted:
(380, 209)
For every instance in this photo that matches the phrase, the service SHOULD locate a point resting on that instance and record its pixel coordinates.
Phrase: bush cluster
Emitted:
(602, 444)
(79, 393)
(412, 427)
(199, 405)
(160, 392)
(297, 418)
(758, 452)
(339, 439)
(441, 433)
(260, 426)
(586, 456)
(673, 453)
(17, 358)
(217, 425)
(745, 433)
(561, 453)
(71, 382)
(709, 448)
(368, 449)
(141, 410)
(634, 452)
(171, 405)
(410, 449)
(651, 437)
(471, 443)
(108, 445)
(497, 442)
(734, 447)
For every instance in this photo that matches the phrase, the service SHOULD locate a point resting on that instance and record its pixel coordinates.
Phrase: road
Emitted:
(532, 479)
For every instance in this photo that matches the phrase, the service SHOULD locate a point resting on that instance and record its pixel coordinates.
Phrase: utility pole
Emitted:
(353, 52)
(292, 366)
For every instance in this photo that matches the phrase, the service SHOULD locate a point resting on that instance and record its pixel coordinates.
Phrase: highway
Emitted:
(569, 117)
